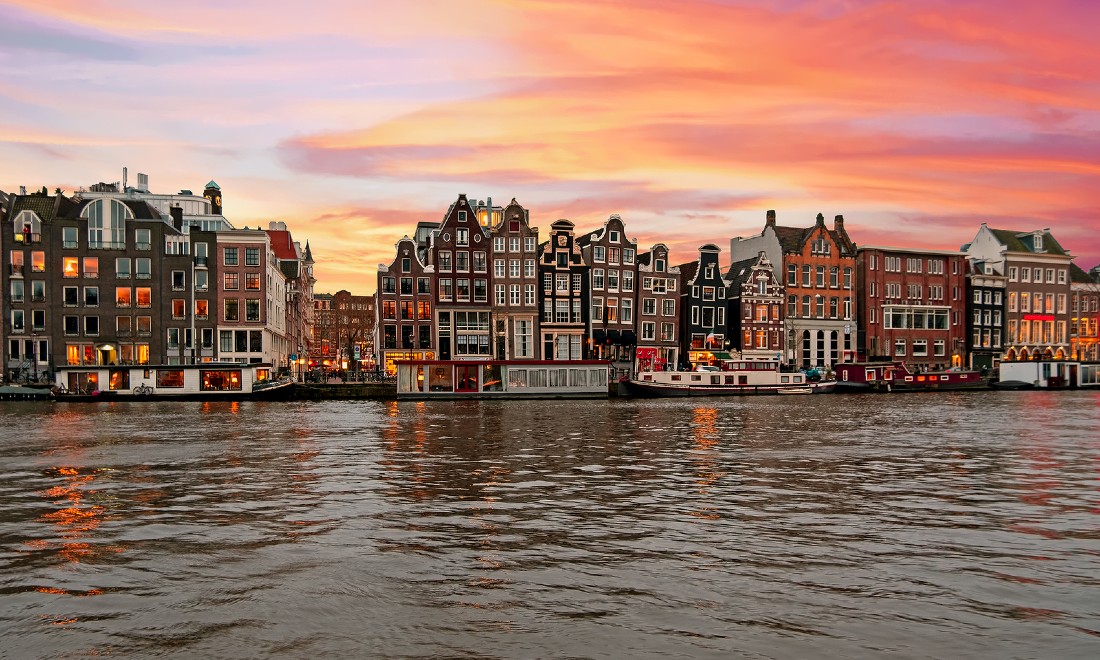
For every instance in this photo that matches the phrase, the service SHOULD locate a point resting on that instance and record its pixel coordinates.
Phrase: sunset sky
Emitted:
(352, 120)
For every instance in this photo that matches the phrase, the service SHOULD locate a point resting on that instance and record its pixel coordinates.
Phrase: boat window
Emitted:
(729, 380)
(742, 380)
(695, 378)
(220, 380)
(466, 378)
(439, 379)
(870, 375)
(120, 379)
(578, 378)
(784, 379)
(419, 384)
(517, 378)
(490, 378)
(537, 377)
(169, 377)
(675, 377)
(597, 376)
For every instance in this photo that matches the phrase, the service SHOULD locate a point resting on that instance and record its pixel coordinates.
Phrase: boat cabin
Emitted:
(471, 379)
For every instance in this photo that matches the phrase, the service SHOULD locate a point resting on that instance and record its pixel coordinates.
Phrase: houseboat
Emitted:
(731, 378)
(502, 379)
(1047, 374)
(897, 377)
(208, 381)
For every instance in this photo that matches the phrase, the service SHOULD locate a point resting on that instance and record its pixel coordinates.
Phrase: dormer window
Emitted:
(28, 227)
(1038, 241)
(820, 246)
(613, 236)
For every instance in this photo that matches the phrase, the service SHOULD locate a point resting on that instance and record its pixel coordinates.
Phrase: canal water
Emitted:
(920, 525)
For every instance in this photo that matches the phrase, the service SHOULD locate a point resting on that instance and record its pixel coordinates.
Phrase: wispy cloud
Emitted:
(354, 120)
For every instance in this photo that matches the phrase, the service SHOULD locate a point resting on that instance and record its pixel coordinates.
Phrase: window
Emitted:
(202, 309)
(920, 348)
(230, 256)
(792, 275)
(513, 268)
(72, 325)
(91, 326)
(899, 347)
(231, 281)
(106, 220)
(91, 266)
(123, 296)
(17, 292)
(462, 261)
(69, 237)
(807, 274)
(143, 268)
(252, 310)
(529, 244)
(232, 309)
(252, 281)
(91, 296)
(649, 306)
(173, 338)
(445, 261)
(668, 308)
(462, 235)
(598, 252)
(179, 307)
(834, 277)
(252, 256)
(820, 279)
(649, 331)
(423, 285)
(628, 280)
(143, 239)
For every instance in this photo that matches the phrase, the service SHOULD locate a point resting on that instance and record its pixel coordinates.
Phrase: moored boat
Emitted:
(733, 378)
(897, 377)
(207, 381)
(502, 379)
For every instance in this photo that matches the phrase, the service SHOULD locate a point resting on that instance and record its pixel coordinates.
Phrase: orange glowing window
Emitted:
(71, 267)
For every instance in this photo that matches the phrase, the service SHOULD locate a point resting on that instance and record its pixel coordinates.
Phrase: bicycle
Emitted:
(143, 390)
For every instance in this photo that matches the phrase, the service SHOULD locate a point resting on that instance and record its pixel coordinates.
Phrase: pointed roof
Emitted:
(309, 255)
(213, 185)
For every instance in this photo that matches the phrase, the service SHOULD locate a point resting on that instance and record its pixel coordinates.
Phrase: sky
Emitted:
(352, 120)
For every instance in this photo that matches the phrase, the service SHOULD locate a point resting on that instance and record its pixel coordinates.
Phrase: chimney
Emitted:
(821, 219)
(770, 222)
(124, 179)
(177, 217)
(838, 223)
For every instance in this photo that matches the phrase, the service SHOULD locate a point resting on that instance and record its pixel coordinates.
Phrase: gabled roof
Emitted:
(739, 271)
(792, 239)
(1078, 275)
(1024, 241)
(688, 270)
(282, 244)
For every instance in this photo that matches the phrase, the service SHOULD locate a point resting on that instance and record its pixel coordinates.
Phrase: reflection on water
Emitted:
(942, 525)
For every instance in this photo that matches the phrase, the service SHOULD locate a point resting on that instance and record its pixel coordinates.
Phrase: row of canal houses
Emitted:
(483, 283)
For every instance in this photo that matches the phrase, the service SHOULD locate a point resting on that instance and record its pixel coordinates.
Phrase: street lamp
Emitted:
(300, 360)
(34, 355)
